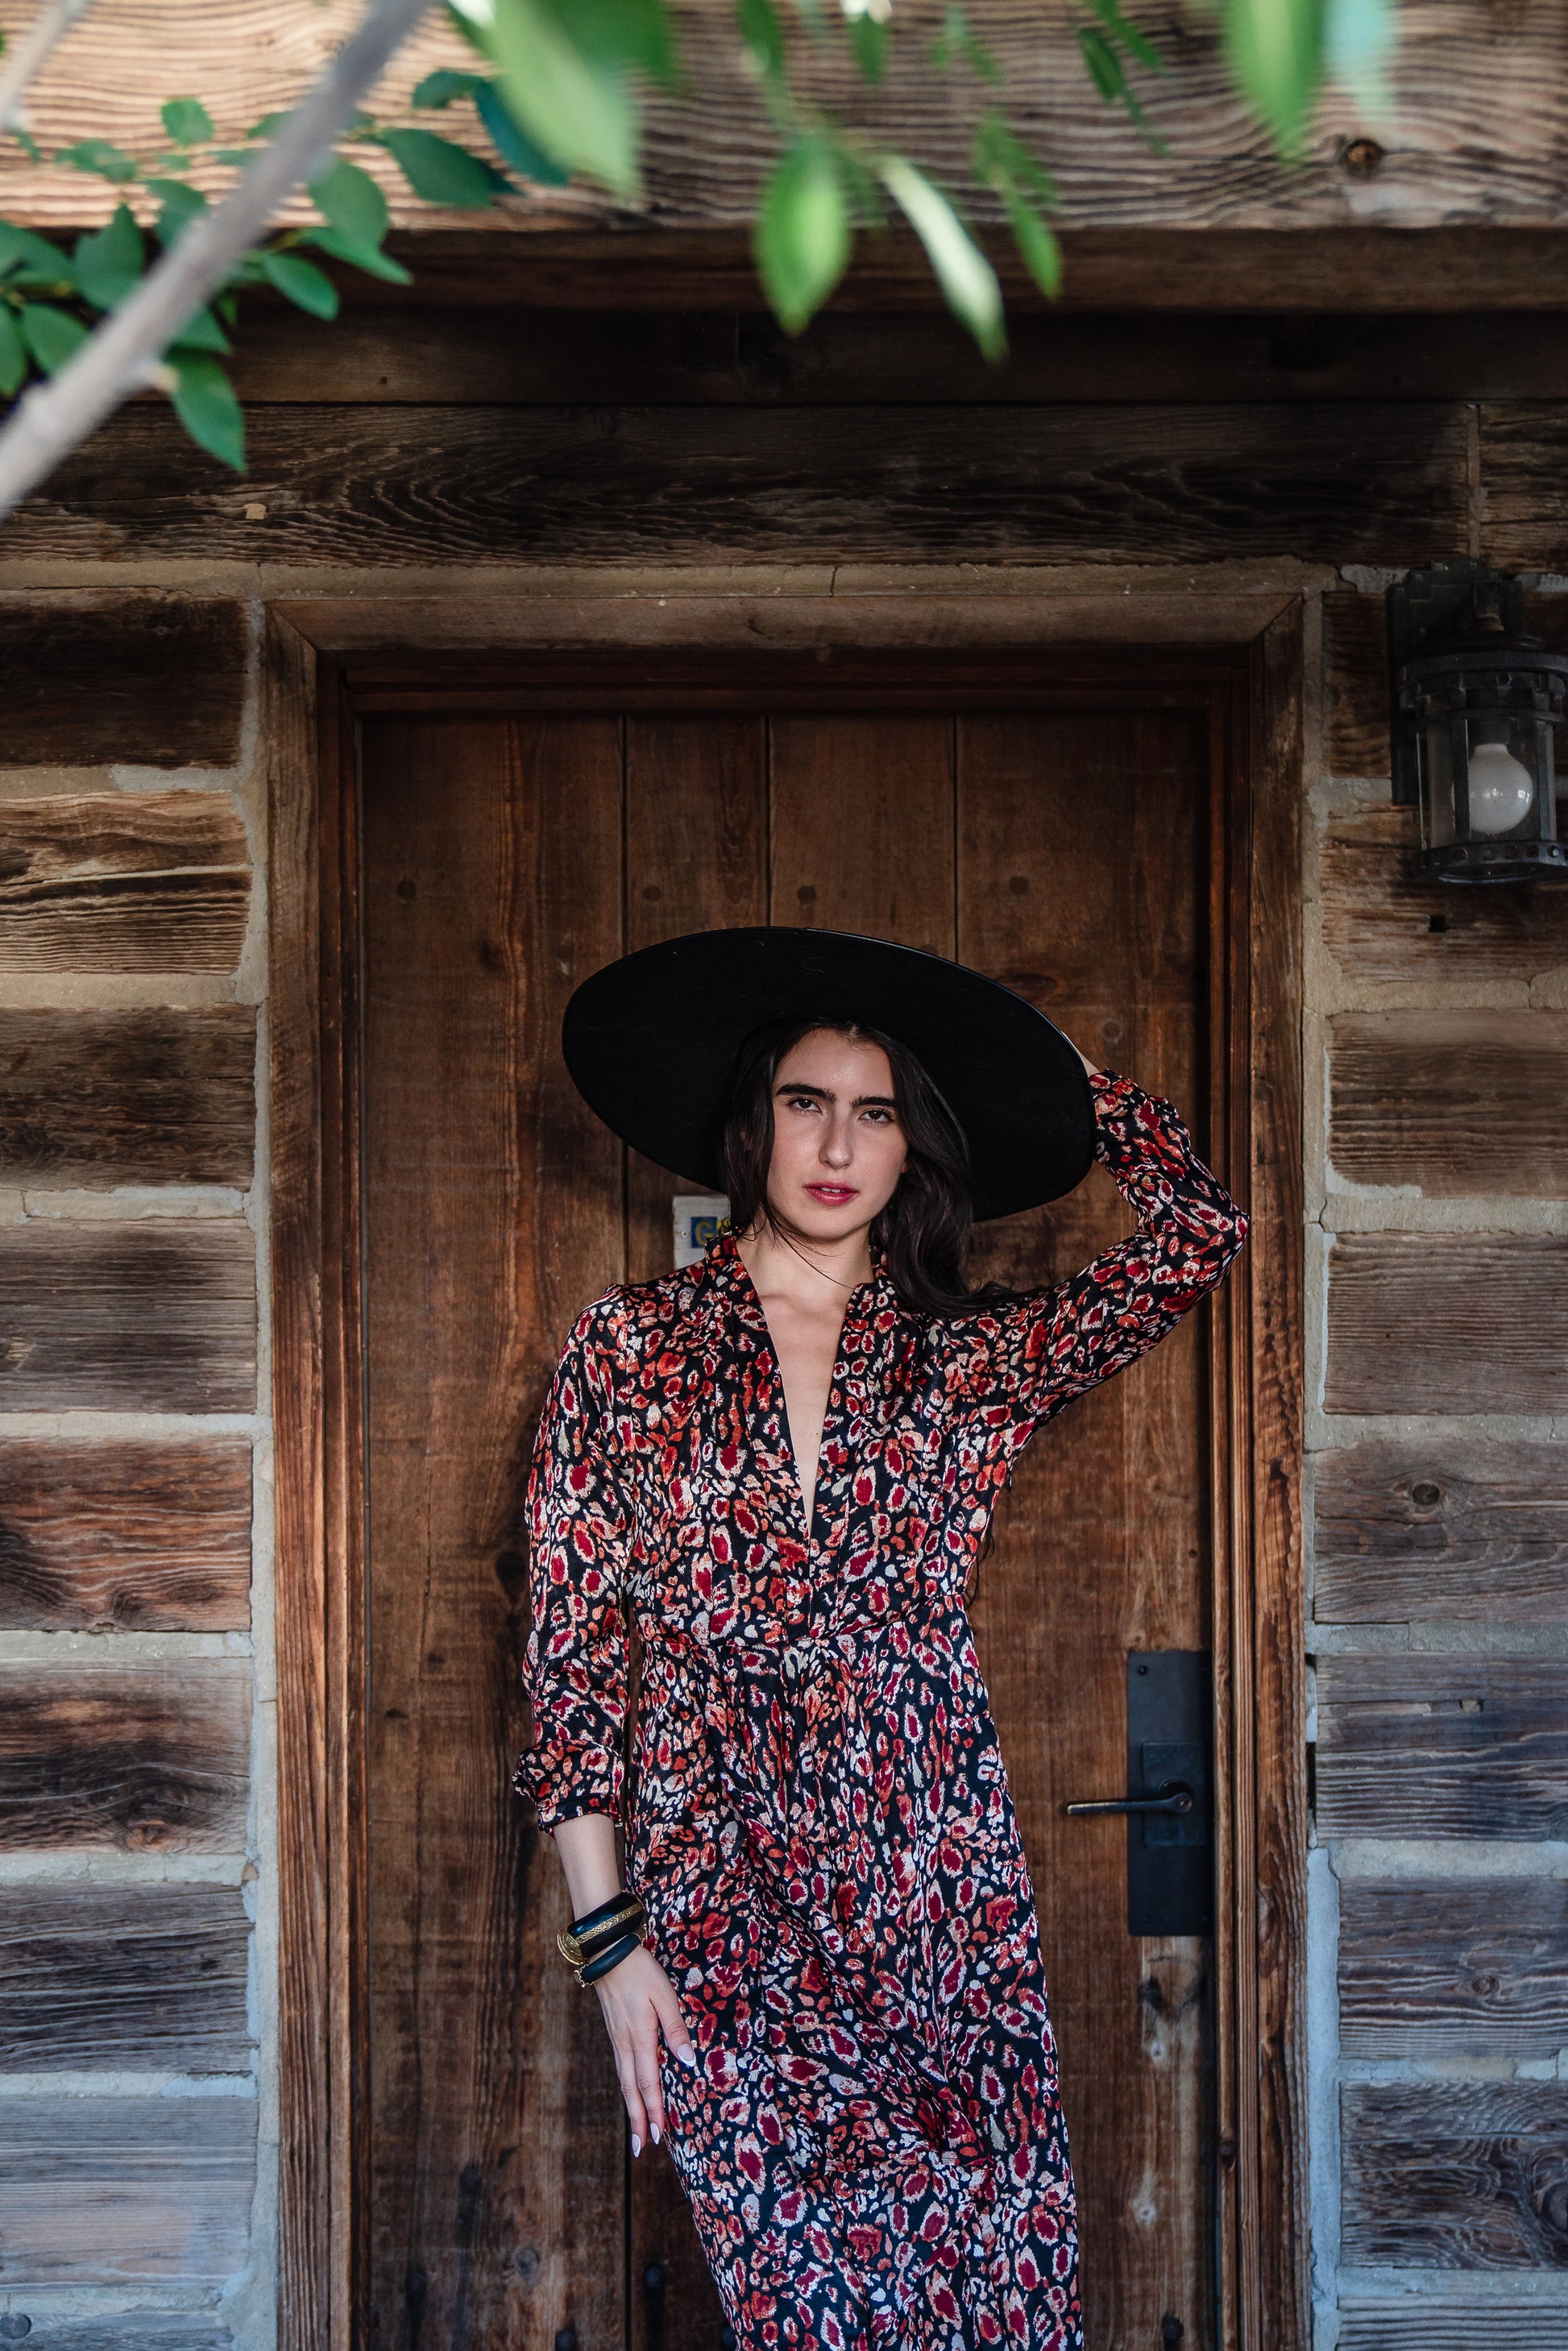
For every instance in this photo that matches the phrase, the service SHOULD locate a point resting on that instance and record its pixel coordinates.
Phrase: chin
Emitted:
(816, 1223)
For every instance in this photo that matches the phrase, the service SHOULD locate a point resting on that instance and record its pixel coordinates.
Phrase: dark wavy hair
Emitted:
(922, 1237)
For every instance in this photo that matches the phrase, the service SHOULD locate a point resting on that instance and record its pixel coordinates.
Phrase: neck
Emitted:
(808, 1271)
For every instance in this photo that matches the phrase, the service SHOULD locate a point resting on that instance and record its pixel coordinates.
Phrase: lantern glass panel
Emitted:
(1437, 798)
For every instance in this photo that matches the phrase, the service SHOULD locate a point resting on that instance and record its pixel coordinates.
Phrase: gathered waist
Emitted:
(793, 1652)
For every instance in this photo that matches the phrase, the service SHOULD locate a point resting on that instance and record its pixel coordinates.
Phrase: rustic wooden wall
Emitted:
(451, 457)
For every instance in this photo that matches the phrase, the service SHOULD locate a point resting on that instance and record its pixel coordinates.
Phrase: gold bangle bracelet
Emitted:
(579, 1952)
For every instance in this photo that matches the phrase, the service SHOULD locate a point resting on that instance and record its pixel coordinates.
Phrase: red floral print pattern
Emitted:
(871, 2142)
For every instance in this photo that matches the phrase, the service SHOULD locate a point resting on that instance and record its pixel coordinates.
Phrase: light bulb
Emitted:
(1502, 791)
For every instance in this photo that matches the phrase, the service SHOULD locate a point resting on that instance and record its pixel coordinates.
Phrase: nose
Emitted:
(837, 1149)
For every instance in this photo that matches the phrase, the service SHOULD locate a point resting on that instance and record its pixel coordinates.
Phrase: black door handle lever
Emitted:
(1175, 1796)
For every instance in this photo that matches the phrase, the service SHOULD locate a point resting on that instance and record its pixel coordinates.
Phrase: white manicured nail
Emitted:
(636, 2144)
(686, 2054)
(653, 2133)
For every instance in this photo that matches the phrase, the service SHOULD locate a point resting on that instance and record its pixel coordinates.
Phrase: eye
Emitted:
(878, 1117)
(798, 1101)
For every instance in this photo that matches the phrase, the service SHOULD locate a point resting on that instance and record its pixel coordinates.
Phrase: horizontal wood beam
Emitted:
(1461, 2321)
(98, 1099)
(145, 1758)
(153, 1317)
(1428, 1745)
(1470, 1968)
(1472, 2177)
(1455, 1102)
(1460, 1531)
(145, 1536)
(140, 1976)
(130, 2330)
(151, 679)
(144, 882)
(1447, 1322)
(1374, 483)
(123, 2191)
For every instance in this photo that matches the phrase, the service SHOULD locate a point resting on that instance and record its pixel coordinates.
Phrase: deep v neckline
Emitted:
(838, 1379)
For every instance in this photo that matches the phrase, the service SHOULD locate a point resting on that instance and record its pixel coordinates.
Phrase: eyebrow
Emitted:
(821, 1094)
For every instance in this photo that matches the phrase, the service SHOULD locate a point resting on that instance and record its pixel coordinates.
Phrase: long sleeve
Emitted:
(577, 1531)
(1056, 1342)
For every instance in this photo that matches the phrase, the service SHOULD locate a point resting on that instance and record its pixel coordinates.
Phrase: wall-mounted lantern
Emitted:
(1475, 706)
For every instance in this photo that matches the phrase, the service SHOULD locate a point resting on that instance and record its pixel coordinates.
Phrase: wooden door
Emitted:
(1066, 849)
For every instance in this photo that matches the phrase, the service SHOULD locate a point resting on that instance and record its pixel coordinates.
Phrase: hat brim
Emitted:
(652, 1038)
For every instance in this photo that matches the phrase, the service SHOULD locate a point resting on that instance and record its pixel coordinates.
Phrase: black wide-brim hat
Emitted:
(651, 1041)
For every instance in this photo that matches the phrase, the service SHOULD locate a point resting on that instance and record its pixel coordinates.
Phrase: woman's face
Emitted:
(838, 1148)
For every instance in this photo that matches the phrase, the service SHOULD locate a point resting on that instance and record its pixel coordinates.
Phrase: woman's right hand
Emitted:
(639, 2004)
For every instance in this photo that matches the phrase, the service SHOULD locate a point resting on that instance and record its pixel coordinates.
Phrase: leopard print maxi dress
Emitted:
(871, 2141)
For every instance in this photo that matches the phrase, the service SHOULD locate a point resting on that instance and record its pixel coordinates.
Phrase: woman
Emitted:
(783, 1463)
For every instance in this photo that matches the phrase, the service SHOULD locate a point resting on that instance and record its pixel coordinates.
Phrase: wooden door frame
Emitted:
(1241, 652)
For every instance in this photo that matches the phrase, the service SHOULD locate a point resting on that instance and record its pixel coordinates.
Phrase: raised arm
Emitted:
(1058, 1342)
(576, 1670)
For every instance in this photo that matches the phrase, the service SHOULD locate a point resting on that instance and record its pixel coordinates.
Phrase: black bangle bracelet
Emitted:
(586, 1938)
(612, 1958)
(605, 1912)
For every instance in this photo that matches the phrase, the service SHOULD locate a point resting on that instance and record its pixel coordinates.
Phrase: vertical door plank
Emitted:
(1083, 883)
(696, 859)
(861, 821)
(492, 884)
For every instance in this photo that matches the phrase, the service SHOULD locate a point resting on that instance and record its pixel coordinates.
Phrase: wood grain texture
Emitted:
(1356, 658)
(159, 1317)
(496, 2186)
(1426, 1745)
(1379, 483)
(723, 357)
(1472, 2177)
(139, 1758)
(1471, 1967)
(1455, 1102)
(153, 679)
(1256, 1004)
(125, 2191)
(139, 1976)
(1458, 1532)
(314, 2022)
(1382, 921)
(1522, 448)
(122, 881)
(860, 825)
(1433, 2321)
(147, 1537)
(1474, 139)
(1447, 1322)
(96, 1099)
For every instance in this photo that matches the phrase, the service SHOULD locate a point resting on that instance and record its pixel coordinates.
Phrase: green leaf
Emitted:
(102, 157)
(964, 273)
(13, 354)
(350, 202)
(308, 288)
(1104, 65)
(269, 124)
(179, 205)
(578, 108)
(201, 332)
(958, 43)
(240, 156)
(1276, 52)
(29, 259)
(187, 121)
(512, 143)
(367, 258)
(110, 260)
(1037, 246)
(206, 405)
(440, 171)
(620, 33)
(763, 34)
(1137, 44)
(28, 143)
(442, 86)
(52, 336)
(803, 236)
(1359, 39)
(1000, 158)
(871, 39)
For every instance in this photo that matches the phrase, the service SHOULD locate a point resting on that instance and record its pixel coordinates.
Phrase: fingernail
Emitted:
(686, 2054)
(653, 2133)
(636, 2144)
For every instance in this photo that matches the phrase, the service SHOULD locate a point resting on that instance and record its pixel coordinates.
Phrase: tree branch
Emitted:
(43, 36)
(121, 355)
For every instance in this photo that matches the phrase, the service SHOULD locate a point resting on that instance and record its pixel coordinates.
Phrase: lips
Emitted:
(834, 1195)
